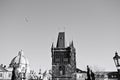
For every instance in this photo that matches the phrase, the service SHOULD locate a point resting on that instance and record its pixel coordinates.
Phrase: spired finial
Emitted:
(52, 45)
(21, 52)
(71, 44)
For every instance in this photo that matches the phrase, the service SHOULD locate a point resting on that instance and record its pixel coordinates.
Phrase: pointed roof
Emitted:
(61, 40)
(71, 44)
(52, 46)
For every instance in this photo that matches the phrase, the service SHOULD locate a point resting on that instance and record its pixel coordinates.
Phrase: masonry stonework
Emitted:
(63, 60)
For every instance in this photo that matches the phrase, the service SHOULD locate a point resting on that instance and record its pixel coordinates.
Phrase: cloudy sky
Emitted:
(32, 25)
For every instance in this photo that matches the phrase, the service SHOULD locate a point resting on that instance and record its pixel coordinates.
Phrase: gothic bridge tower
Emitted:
(63, 60)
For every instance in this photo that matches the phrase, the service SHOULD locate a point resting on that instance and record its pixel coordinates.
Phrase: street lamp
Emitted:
(116, 59)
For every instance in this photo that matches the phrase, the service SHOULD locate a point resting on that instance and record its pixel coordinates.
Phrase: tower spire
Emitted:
(52, 46)
(63, 60)
(61, 40)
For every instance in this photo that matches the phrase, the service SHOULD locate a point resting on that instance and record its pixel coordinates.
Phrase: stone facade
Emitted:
(63, 60)
(5, 73)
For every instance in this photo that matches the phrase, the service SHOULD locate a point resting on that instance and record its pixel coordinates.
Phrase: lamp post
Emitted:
(116, 59)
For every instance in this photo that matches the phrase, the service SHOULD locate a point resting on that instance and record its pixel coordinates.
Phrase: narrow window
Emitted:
(62, 70)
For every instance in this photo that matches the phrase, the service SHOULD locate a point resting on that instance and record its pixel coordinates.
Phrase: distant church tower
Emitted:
(63, 60)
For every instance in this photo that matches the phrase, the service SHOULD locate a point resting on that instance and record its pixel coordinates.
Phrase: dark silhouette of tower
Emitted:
(63, 60)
